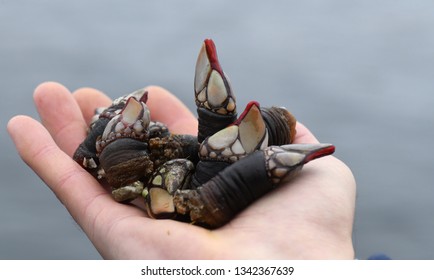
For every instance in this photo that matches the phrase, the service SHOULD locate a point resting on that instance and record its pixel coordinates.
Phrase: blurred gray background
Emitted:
(359, 74)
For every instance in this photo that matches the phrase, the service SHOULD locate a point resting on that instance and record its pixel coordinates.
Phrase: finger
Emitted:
(304, 135)
(61, 115)
(168, 109)
(88, 203)
(88, 100)
(37, 148)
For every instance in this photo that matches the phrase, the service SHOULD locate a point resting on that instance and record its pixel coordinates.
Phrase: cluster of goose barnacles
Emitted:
(205, 179)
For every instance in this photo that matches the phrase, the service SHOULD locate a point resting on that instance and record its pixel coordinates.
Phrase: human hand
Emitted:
(309, 218)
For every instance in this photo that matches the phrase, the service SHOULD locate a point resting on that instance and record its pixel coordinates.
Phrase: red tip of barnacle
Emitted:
(246, 111)
(211, 52)
(144, 97)
(321, 152)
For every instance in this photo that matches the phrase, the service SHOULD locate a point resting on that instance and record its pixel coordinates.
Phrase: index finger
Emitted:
(60, 115)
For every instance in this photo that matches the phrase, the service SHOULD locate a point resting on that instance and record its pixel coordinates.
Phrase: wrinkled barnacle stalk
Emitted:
(280, 125)
(215, 101)
(85, 154)
(217, 201)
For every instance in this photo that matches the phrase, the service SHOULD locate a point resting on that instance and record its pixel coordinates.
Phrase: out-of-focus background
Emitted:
(359, 74)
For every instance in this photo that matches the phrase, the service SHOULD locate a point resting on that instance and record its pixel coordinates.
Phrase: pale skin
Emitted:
(311, 217)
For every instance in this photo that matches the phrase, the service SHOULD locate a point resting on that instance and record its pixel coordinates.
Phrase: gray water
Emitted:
(359, 74)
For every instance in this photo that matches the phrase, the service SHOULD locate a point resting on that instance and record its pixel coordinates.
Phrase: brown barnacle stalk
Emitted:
(280, 125)
(232, 190)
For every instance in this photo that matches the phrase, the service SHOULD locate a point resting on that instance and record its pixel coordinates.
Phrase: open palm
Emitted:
(311, 217)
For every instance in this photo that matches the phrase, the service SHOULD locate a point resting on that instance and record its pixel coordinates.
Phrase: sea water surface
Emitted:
(359, 74)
